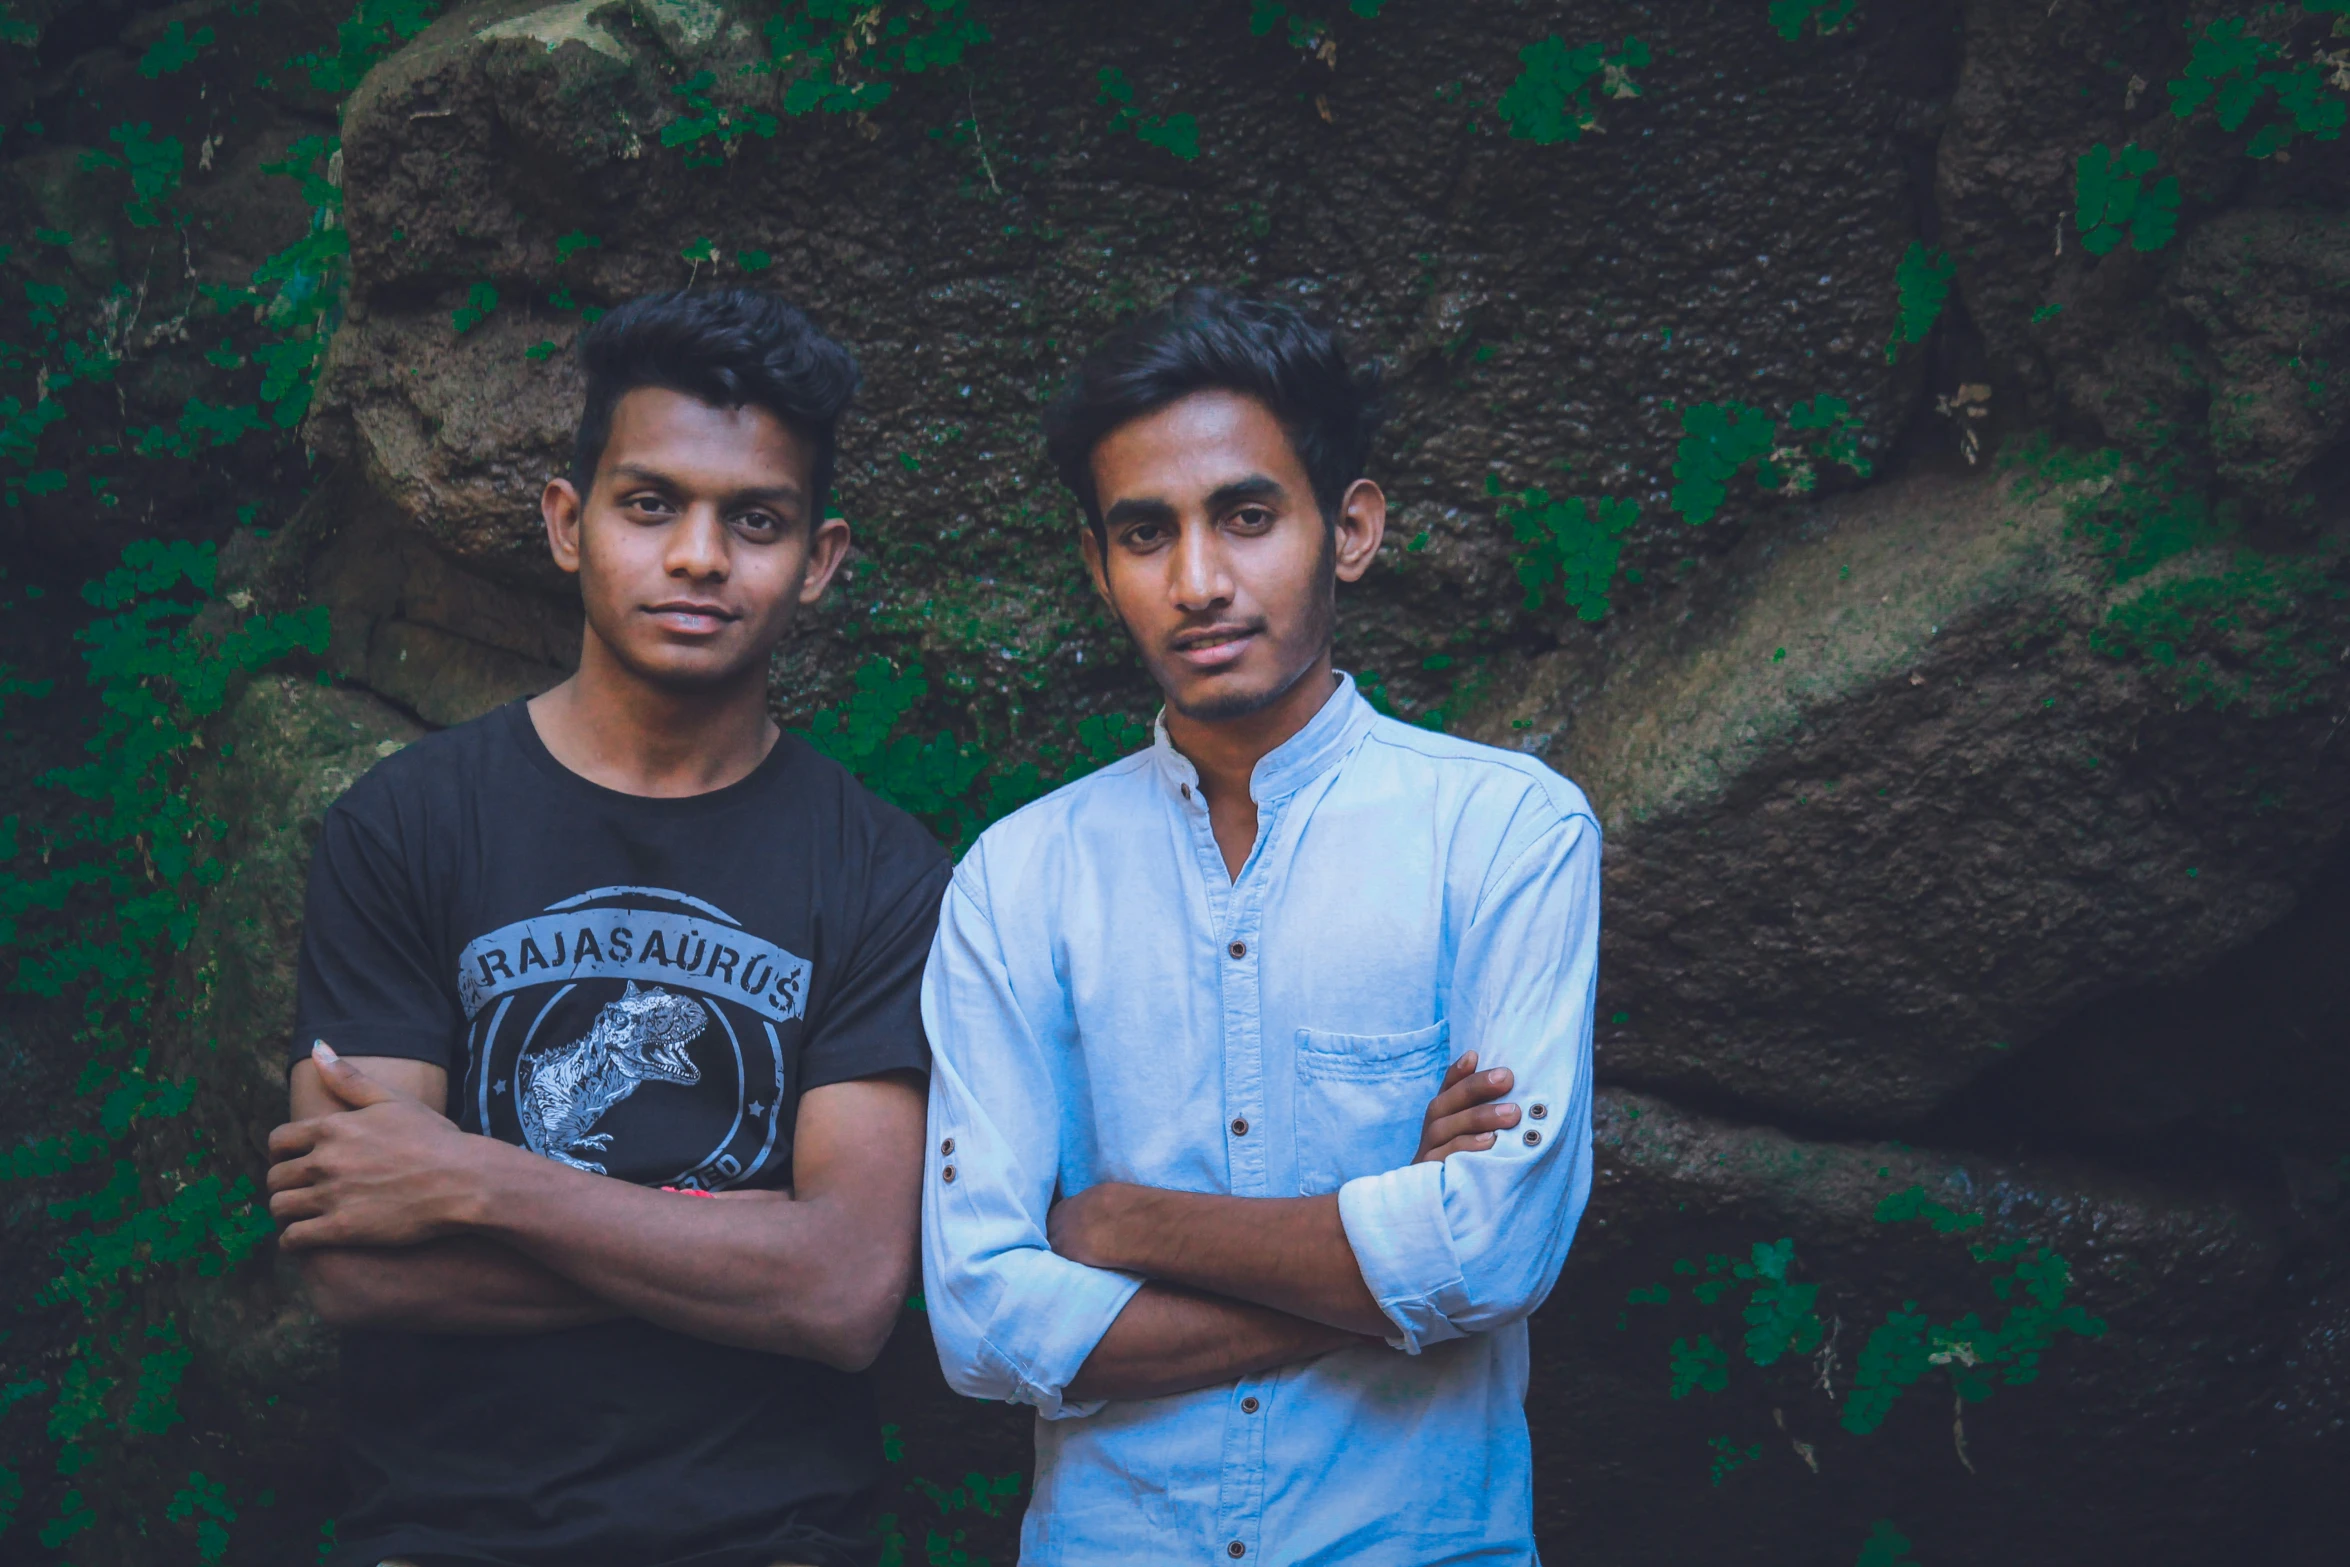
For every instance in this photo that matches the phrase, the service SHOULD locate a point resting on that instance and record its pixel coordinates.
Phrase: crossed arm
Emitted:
(398, 1219)
(1240, 1285)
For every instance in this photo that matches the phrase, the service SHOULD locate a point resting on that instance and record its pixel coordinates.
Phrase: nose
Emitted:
(1198, 580)
(697, 548)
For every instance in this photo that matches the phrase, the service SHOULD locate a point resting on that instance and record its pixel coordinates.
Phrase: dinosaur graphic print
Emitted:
(638, 1039)
(634, 1032)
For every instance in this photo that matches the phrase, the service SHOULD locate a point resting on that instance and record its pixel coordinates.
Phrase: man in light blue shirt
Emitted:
(1220, 1179)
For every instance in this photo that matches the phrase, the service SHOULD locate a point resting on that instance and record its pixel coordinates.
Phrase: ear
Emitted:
(1089, 544)
(1362, 523)
(561, 506)
(828, 546)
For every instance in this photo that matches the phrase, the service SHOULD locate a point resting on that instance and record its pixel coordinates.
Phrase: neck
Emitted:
(1226, 750)
(615, 728)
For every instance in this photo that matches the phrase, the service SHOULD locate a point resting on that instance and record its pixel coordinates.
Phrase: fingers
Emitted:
(289, 1208)
(1470, 1144)
(1469, 1088)
(1477, 1118)
(293, 1140)
(290, 1175)
(345, 1081)
(305, 1236)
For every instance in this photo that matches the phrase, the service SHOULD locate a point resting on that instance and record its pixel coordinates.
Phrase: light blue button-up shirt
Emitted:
(1106, 1003)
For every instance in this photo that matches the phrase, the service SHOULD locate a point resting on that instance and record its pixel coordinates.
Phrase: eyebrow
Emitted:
(1256, 487)
(1240, 492)
(768, 494)
(1144, 509)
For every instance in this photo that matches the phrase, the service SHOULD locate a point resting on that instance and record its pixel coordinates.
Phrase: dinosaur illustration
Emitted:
(563, 1091)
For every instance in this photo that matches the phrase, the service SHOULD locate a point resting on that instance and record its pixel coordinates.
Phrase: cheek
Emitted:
(1288, 577)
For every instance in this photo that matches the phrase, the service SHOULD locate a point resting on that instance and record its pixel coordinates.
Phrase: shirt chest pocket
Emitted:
(1360, 1098)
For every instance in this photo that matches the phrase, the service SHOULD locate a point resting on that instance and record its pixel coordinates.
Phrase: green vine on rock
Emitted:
(2114, 199)
(1304, 31)
(1176, 134)
(1827, 17)
(92, 908)
(1921, 285)
(155, 164)
(1568, 543)
(2232, 69)
(373, 29)
(955, 787)
(1782, 1321)
(1556, 94)
(1719, 441)
(2248, 627)
(843, 56)
(1886, 1546)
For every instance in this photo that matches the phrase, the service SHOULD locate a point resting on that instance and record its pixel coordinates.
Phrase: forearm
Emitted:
(803, 1277)
(1172, 1340)
(458, 1285)
(1287, 1253)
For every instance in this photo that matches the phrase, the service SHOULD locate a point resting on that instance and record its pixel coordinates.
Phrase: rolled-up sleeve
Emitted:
(1012, 1320)
(1474, 1242)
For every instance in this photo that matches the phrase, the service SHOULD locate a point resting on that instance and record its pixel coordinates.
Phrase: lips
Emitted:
(692, 618)
(1214, 647)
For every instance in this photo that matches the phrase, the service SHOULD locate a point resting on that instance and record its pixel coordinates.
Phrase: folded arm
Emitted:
(1290, 1254)
(463, 1284)
(1468, 1245)
(818, 1272)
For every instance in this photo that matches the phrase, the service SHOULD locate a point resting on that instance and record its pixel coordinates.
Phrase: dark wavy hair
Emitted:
(1209, 339)
(730, 348)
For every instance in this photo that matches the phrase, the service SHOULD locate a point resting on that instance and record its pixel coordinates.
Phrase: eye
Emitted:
(646, 506)
(759, 524)
(1143, 535)
(1253, 519)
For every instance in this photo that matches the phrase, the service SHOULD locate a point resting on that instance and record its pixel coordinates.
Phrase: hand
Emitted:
(1462, 1118)
(387, 1172)
(1084, 1228)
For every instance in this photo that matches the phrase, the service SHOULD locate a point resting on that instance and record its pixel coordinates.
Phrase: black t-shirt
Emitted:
(642, 988)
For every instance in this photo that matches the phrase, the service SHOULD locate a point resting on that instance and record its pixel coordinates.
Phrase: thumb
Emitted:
(345, 1081)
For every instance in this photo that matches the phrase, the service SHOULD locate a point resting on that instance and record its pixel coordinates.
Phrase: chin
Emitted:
(1217, 701)
(689, 674)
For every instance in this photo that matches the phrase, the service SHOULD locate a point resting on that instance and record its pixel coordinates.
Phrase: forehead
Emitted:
(703, 445)
(1193, 445)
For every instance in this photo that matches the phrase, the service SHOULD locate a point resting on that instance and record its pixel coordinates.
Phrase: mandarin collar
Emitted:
(1343, 719)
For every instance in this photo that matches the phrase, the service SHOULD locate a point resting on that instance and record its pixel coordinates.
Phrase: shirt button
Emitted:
(1236, 1550)
(1238, 949)
(1240, 1126)
(1248, 1405)
(948, 1146)
(1533, 1138)
(1538, 1111)
(948, 1174)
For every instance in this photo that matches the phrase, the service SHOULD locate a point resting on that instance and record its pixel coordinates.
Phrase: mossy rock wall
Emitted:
(1974, 824)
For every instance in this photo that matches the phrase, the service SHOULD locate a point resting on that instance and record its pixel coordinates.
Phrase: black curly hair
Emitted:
(1212, 339)
(731, 348)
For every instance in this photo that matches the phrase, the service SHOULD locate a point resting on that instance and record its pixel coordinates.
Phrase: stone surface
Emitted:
(2083, 956)
(261, 1383)
(1877, 815)
(2148, 1433)
(444, 643)
(2132, 346)
(1516, 291)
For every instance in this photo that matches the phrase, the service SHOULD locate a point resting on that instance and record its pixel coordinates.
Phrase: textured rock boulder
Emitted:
(2147, 1431)
(1520, 293)
(1932, 806)
(259, 1386)
(1877, 814)
(2216, 350)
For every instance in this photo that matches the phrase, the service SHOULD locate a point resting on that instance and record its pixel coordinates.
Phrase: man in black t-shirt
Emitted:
(576, 967)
